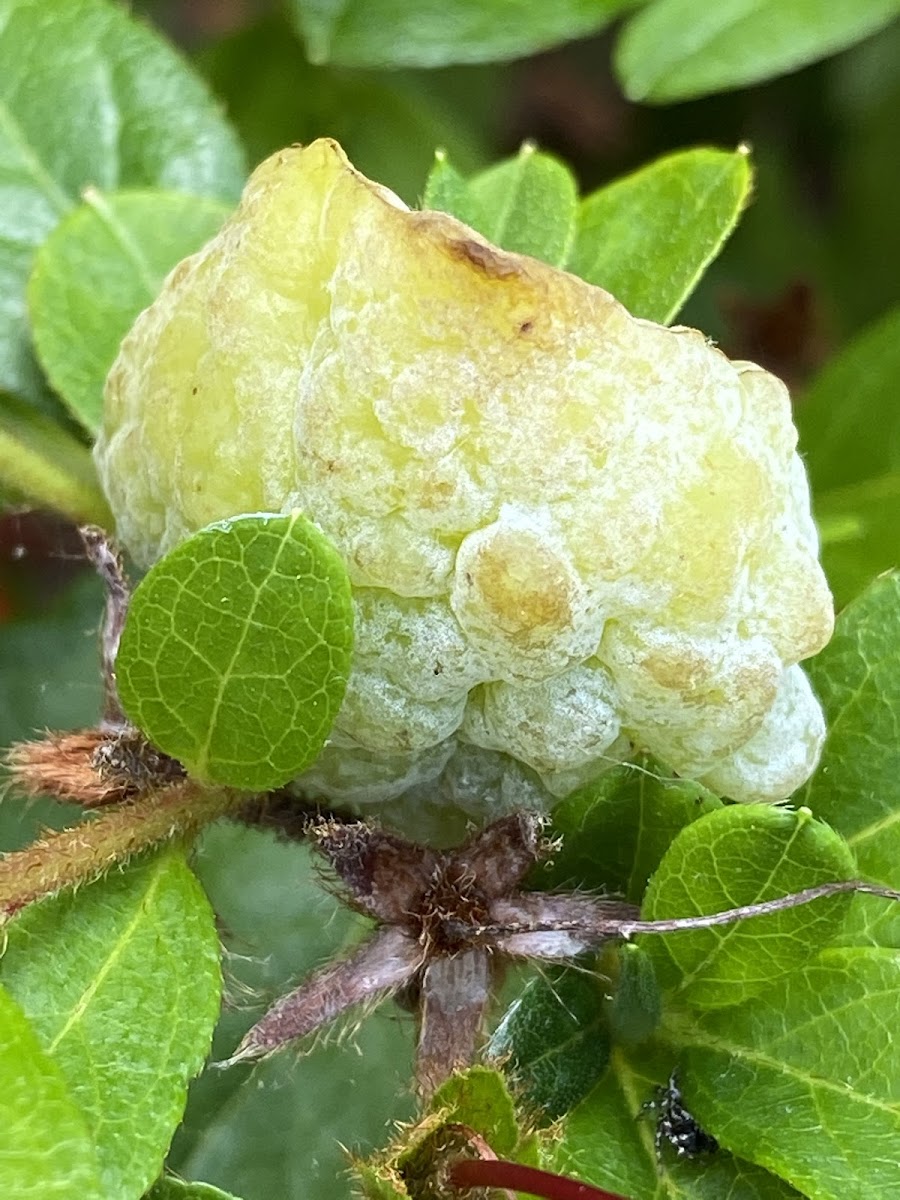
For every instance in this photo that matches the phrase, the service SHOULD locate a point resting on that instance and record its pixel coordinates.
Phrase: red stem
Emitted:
(496, 1173)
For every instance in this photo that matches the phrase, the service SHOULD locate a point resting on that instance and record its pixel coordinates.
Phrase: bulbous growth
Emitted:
(571, 533)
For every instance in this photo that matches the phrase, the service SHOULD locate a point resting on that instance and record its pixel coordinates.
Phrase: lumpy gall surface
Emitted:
(571, 533)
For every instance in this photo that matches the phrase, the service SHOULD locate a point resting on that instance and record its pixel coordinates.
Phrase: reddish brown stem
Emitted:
(498, 1173)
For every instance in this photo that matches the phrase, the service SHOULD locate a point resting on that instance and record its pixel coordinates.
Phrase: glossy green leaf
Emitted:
(89, 96)
(859, 528)
(278, 923)
(615, 831)
(849, 420)
(46, 1152)
(236, 651)
(741, 855)
(121, 984)
(553, 1041)
(677, 49)
(805, 1079)
(649, 237)
(431, 33)
(97, 270)
(608, 1141)
(857, 786)
(170, 1188)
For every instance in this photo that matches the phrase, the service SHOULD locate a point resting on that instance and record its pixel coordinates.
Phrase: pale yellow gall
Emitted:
(571, 534)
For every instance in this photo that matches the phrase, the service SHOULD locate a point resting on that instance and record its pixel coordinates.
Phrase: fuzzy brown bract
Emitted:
(447, 921)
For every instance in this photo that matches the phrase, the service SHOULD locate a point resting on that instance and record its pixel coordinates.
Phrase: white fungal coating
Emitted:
(571, 533)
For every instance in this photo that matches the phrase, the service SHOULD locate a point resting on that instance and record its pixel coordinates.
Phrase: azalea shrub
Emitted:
(450, 652)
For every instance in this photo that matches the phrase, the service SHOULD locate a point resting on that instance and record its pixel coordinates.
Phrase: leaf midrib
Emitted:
(226, 675)
(124, 939)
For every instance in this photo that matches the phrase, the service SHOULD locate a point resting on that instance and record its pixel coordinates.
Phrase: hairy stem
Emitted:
(78, 855)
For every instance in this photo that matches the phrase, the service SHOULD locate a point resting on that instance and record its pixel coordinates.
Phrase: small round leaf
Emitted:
(743, 854)
(236, 651)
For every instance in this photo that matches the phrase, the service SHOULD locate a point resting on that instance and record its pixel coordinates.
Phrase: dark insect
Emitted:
(675, 1125)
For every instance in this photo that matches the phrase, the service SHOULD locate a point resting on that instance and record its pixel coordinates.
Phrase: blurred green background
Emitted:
(814, 260)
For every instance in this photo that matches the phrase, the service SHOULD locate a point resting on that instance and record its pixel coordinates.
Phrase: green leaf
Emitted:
(615, 831)
(476, 1098)
(170, 1188)
(279, 923)
(741, 855)
(43, 462)
(527, 204)
(97, 270)
(376, 1181)
(849, 421)
(636, 1005)
(480, 1099)
(236, 651)
(857, 786)
(553, 1041)
(677, 49)
(45, 1149)
(858, 527)
(89, 96)
(607, 1141)
(432, 33)
(649, 237)
(805, 1079)
(446, 190)
(121, 985)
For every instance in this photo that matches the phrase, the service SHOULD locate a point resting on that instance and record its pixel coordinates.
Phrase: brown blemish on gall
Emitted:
(485, 258)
